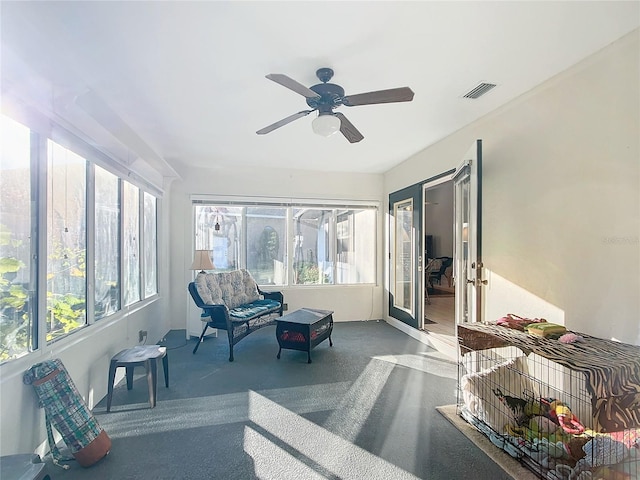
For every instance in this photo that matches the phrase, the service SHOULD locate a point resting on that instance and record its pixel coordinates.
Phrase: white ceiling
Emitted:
(182, 83)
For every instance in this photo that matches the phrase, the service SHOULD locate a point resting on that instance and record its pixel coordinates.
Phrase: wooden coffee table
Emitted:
(304, 329)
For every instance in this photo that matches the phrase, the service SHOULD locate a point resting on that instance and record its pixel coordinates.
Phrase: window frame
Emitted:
(338, 207)
(43, 129)
(77, 161)
(137, 236)
(144, 265)
(91, 256)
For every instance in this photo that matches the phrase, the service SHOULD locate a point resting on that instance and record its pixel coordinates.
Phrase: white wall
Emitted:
(348, 303)
(561, 193)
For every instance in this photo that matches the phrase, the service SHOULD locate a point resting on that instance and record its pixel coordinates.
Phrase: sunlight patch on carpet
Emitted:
(443, 369)
(316, 444)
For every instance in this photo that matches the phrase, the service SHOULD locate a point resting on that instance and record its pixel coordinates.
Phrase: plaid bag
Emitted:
(66, 411)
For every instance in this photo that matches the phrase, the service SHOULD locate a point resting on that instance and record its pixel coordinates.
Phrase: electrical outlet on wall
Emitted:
(285, 307)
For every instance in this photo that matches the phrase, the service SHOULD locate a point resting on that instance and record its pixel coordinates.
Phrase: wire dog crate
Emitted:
(566, 411)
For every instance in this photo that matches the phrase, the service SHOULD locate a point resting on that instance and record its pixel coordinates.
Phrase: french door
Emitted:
(405, 249)
(468, 237)
(406, 255)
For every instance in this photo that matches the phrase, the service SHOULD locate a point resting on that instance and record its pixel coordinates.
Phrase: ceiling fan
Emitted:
(325, 97)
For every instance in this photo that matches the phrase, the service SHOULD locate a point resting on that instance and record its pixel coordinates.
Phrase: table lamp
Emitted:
(202, 261)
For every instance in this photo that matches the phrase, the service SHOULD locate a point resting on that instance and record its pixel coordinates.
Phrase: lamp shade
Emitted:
(202, 261)
(325, 124)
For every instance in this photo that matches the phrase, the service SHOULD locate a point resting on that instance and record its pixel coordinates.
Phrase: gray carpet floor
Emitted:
(364, 409)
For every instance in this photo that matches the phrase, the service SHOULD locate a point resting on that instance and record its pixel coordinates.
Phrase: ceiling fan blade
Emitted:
(291, 84)
(402, 94)
(350, 132)
(283, 122)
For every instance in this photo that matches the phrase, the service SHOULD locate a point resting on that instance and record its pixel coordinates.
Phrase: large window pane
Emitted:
(150, 245)
(266, 233)
(219, 230)
(311, 250)
(16, 321)
(355, 248)
(66, 241)
(131, 252)
(107, 243)
(330, 245)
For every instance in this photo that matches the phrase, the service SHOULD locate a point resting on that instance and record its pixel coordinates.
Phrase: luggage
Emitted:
(66, 411)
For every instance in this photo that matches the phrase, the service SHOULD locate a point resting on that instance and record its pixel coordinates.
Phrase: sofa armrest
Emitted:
(218, 316)
(277, 296)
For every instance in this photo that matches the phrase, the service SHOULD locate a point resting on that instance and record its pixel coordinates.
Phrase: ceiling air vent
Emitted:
(479, 90)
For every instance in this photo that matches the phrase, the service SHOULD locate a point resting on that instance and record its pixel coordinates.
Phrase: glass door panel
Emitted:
(405, 269)
(403, 256)
(468, 238)
(462, 255)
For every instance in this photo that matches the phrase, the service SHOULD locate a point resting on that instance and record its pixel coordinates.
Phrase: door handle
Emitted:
(479, 282)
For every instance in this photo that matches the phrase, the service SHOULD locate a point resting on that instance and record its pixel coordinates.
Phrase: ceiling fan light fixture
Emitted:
(325, 124)
(325, 96)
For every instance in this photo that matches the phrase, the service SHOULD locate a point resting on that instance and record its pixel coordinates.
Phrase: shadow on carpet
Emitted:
(509, 464)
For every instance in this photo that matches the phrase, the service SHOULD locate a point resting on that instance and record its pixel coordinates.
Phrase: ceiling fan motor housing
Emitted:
(331, 95)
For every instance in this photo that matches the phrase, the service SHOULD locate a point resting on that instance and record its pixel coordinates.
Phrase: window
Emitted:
(266, 234)
(131, 277)
(218, 229)
(150, 245)
(312, 249)
(329, 245)
(355, 246)
(107, 243)
(16, 220)
(111, 224)
(66, 241)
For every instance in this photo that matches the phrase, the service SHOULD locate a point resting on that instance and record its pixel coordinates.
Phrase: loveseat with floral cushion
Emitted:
(232, 301)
